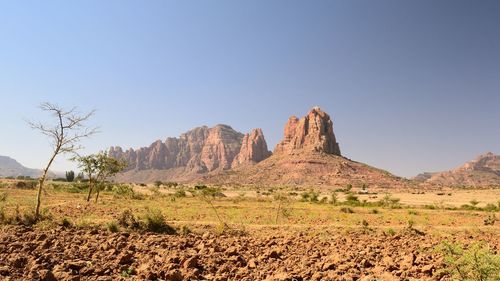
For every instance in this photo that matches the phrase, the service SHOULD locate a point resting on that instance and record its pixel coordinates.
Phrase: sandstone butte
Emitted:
(308, 155)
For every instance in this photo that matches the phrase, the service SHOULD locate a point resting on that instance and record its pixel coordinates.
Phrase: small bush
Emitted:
(66, 223)
(309, 196)
(410, 224)
(3, 197)
(389, 201)
(375, 211)
(124, 190)
(129, 272)
(490, 220)
(391, 232)
(185, 230)
(128, 220)
(180, 193)
(476, 262)
(26, 184)
(170, 184)
(334, 198)
(154, 221)
(346, 210)
(209, 191)
(352, 199)
(412, 212)
(474, 202)
(364, 223)
(491, 208)
(112, 226)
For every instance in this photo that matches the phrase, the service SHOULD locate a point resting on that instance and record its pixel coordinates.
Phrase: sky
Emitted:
(411, 86)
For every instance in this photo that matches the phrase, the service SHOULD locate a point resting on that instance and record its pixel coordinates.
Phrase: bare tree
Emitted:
(65, 135)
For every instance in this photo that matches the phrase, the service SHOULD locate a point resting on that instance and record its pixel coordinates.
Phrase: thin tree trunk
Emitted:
(90, 188)
(278, 212)
(41, 181)
(97, 195)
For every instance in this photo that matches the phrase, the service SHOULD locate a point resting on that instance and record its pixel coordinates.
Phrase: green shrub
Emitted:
(309, 196)
(124, 190)
(129, 272)
(209, 191)
(391, 232)
(352, 199)
(154, 221)
(475, 263)
(389, 201)
(410, 224)
(180, 193)
(112, 226)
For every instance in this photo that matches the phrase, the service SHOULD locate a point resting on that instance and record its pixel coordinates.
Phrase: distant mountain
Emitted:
(484, 171)
(11, 168)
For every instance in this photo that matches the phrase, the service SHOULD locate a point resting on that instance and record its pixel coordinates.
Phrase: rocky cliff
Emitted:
(253, 149)
(313, 132)
(197, 151)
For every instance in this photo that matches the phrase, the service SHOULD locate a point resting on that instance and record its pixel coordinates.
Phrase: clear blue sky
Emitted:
(411, 85)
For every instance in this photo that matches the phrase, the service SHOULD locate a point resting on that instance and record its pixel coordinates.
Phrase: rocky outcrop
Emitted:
(308, 155)
(484, 171)
(198, 151)
(313, 132)
(253, 149)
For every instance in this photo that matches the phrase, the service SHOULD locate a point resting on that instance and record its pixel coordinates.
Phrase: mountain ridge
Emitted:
(483, 171)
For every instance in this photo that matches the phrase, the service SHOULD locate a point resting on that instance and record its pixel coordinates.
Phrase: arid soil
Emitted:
(271, 254)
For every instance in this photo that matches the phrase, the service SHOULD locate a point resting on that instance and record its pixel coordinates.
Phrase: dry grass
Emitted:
(250, 209)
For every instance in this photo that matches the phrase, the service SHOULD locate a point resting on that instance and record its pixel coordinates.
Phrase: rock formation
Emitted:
(484, 171)
(253, 149)
(313, 132)
(308, 155)
(198, 151)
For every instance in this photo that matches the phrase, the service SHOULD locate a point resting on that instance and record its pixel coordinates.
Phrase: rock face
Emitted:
(313, 132)
(253, 149)
(198, 151)
(484, 171)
